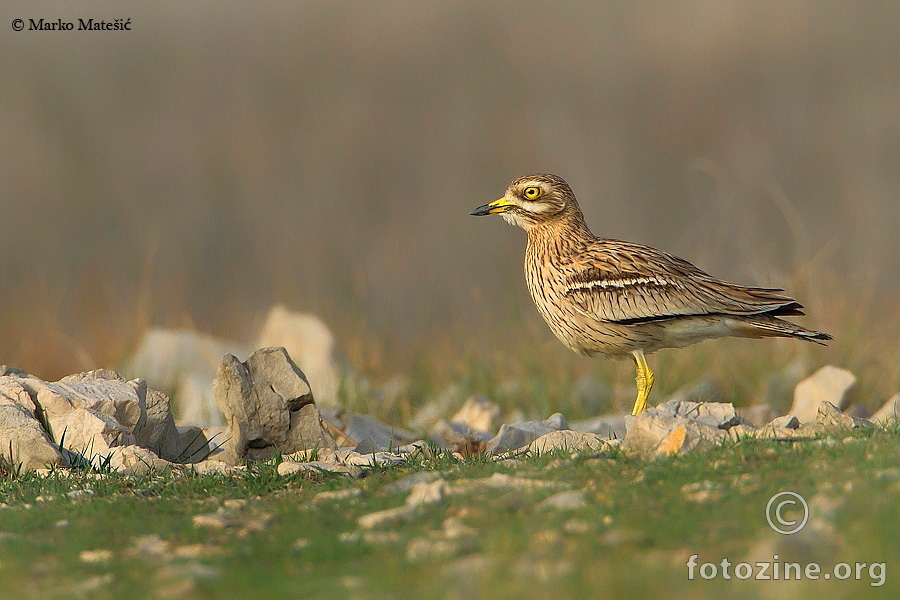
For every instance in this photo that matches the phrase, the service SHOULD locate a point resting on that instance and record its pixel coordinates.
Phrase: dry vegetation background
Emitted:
(224, 156)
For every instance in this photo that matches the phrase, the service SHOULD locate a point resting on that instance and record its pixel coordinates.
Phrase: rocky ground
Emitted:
(478, 496)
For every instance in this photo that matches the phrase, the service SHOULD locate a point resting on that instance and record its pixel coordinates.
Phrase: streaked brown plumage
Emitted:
(611, 297)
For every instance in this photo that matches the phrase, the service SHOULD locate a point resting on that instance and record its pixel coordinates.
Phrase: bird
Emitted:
(616, 298)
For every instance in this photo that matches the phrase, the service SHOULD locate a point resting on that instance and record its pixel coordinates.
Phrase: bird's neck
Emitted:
(567, 228)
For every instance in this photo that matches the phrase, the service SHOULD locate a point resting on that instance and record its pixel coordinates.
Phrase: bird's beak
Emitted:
(497, 206)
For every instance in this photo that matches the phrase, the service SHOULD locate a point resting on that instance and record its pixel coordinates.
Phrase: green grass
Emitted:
(641, 521)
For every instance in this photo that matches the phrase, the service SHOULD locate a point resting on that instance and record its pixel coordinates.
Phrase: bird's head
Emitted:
(532, 201)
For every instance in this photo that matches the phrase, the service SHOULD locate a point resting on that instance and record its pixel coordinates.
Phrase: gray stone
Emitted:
(889, 411)
(830, 416)
(268, 406)
(785, 422)
(828, 384)
(23, 442)
(6, 370)
(611, 427)
(159, 433)
(311, 345)
(367, 433)
(519, 435)
(375, 459)
(458, 437)
(130, 459)
(569, 441)
(320, 466)
(675, 427)
(757, 415)
(479, 413)
(95, 410)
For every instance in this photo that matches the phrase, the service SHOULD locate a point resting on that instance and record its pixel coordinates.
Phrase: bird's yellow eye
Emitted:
(532, 192)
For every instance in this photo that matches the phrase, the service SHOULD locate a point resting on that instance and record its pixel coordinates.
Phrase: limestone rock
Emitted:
(611, 427)
(22, 439)
(90, 412)
(218, 467)
(6, 370)
(889, 411)
(828, 384)
(130, 459)
(311, 344)
(369, 434)
(568, 440)
(679, 427)
(268, 405)
(479, 413)
(787, 421)
(458, 437)
(829, 415)
(519, 435)
(319, 466)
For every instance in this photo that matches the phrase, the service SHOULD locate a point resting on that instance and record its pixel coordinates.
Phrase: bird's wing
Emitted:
(629, 283)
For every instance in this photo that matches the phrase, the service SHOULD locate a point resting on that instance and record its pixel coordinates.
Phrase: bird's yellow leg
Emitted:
(644, 380)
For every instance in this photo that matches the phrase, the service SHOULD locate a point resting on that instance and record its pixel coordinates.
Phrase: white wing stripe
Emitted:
(617, 284)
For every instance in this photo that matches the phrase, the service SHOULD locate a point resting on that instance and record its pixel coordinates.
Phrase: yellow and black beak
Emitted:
(497, 206)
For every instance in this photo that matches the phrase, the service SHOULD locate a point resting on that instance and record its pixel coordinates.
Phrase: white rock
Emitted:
(519, 435)
(568, 440)
(889, 411)
(130, 459)
(95, 410)
(676, 427)
(369, 433)
(21, 433)
(828, 384)
(311, 344)
(787, 421)
(318, 466)
(479, 413)
(829, 415)
(376, 459)
(268, 405)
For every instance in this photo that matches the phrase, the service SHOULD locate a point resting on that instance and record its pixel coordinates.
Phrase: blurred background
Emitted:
(222, 157)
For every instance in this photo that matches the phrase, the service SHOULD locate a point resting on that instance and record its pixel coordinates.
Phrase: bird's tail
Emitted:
(769, 326)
